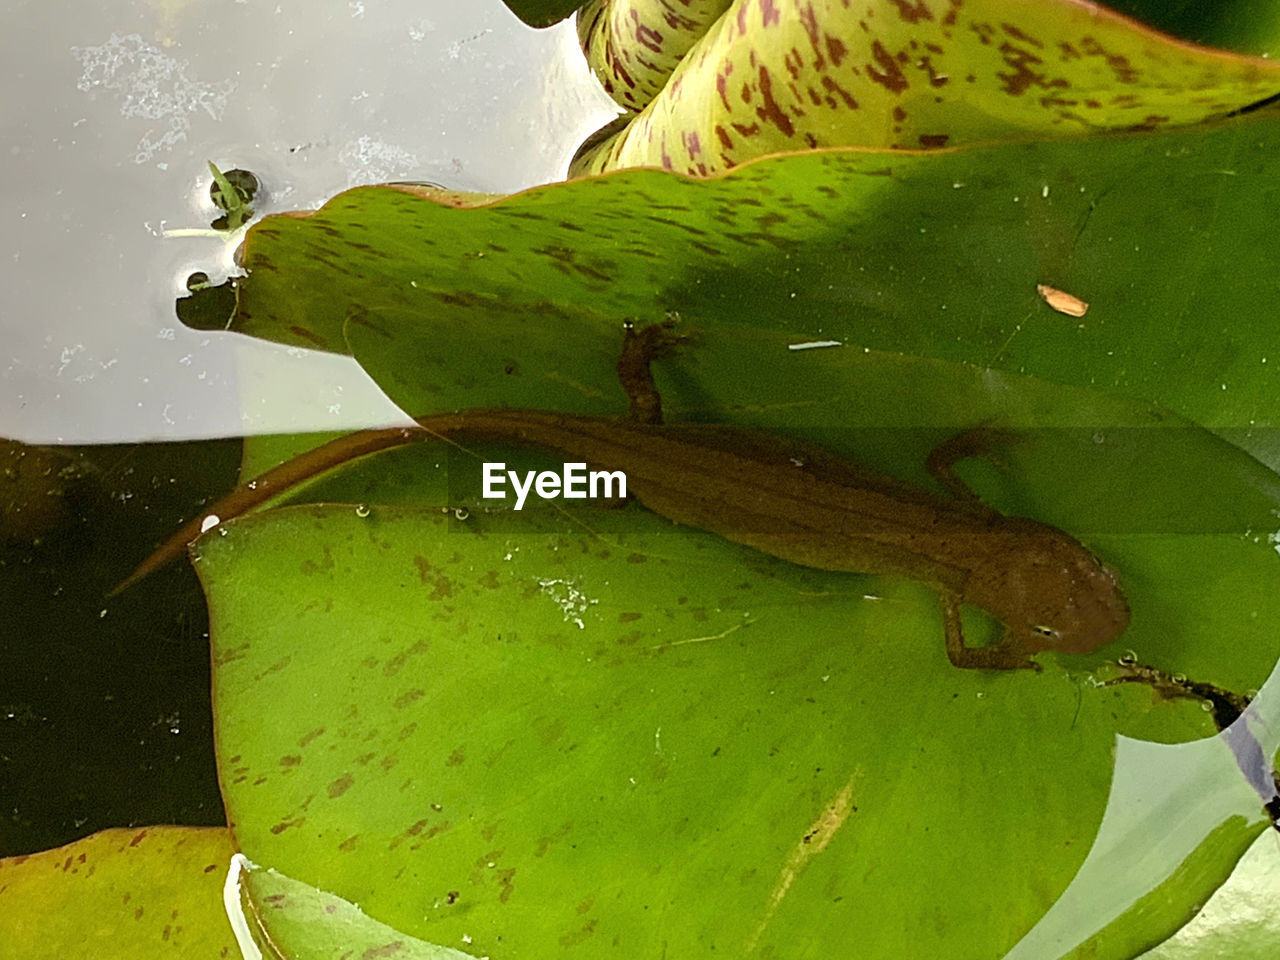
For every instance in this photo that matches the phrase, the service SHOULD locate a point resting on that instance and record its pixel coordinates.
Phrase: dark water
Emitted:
(104, 704)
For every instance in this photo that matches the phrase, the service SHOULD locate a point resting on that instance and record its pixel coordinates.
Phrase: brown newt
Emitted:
(789, 499)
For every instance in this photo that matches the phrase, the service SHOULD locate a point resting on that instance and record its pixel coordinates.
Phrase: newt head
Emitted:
(1049, 591)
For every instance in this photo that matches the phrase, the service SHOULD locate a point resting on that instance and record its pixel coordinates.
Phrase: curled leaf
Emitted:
(781, 75)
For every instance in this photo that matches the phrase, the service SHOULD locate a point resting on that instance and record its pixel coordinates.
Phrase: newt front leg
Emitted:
(639, 349)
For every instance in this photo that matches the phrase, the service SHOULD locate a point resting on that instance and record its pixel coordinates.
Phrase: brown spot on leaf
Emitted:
(890, 74)
(408, 697)
(931, 141)
(1120, 66)
(290, 760)
(936, 79)
(1017, 34)
(912, 12)
(769, 111)
(340, 786)
(578, 936)
(457, 758)
(545, 842)
(836, 49)
(1024, 75)
(386, 950)
(308, 737)
(396, 663)
(506, 882)
(305, 334)
(646, 36)
(831, 86)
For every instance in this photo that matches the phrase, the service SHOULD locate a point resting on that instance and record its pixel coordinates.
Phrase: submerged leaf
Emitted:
(647, 740)
(592, 728)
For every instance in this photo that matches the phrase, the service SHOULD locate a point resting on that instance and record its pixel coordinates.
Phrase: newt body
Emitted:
(794, 501)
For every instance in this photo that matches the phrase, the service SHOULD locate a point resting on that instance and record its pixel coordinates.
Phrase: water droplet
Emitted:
(1206, 706)
(461, 513)
(362, 510)
(1128, 658)
(1179, 678)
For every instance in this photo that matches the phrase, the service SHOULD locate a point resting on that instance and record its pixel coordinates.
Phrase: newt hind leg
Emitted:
(975, 442)
(639, 348)
(1004, 657)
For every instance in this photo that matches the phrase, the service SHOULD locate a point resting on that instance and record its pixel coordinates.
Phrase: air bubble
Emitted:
(363, 510)
(1128, 658)
(461, 513)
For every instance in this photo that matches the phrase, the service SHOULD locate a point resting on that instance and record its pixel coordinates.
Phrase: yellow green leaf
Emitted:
(782, 75)
(633, 45)
(153, 892)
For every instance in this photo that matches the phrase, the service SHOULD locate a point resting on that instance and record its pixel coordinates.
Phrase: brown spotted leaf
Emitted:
(940, 254)
(633, 45)
(783, 75)
(133, 894)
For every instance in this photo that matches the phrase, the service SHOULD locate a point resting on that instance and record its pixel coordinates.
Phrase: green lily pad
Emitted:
(135, 893)
(519, 302)
(596, 730)
(766, 78)
(524, 742)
